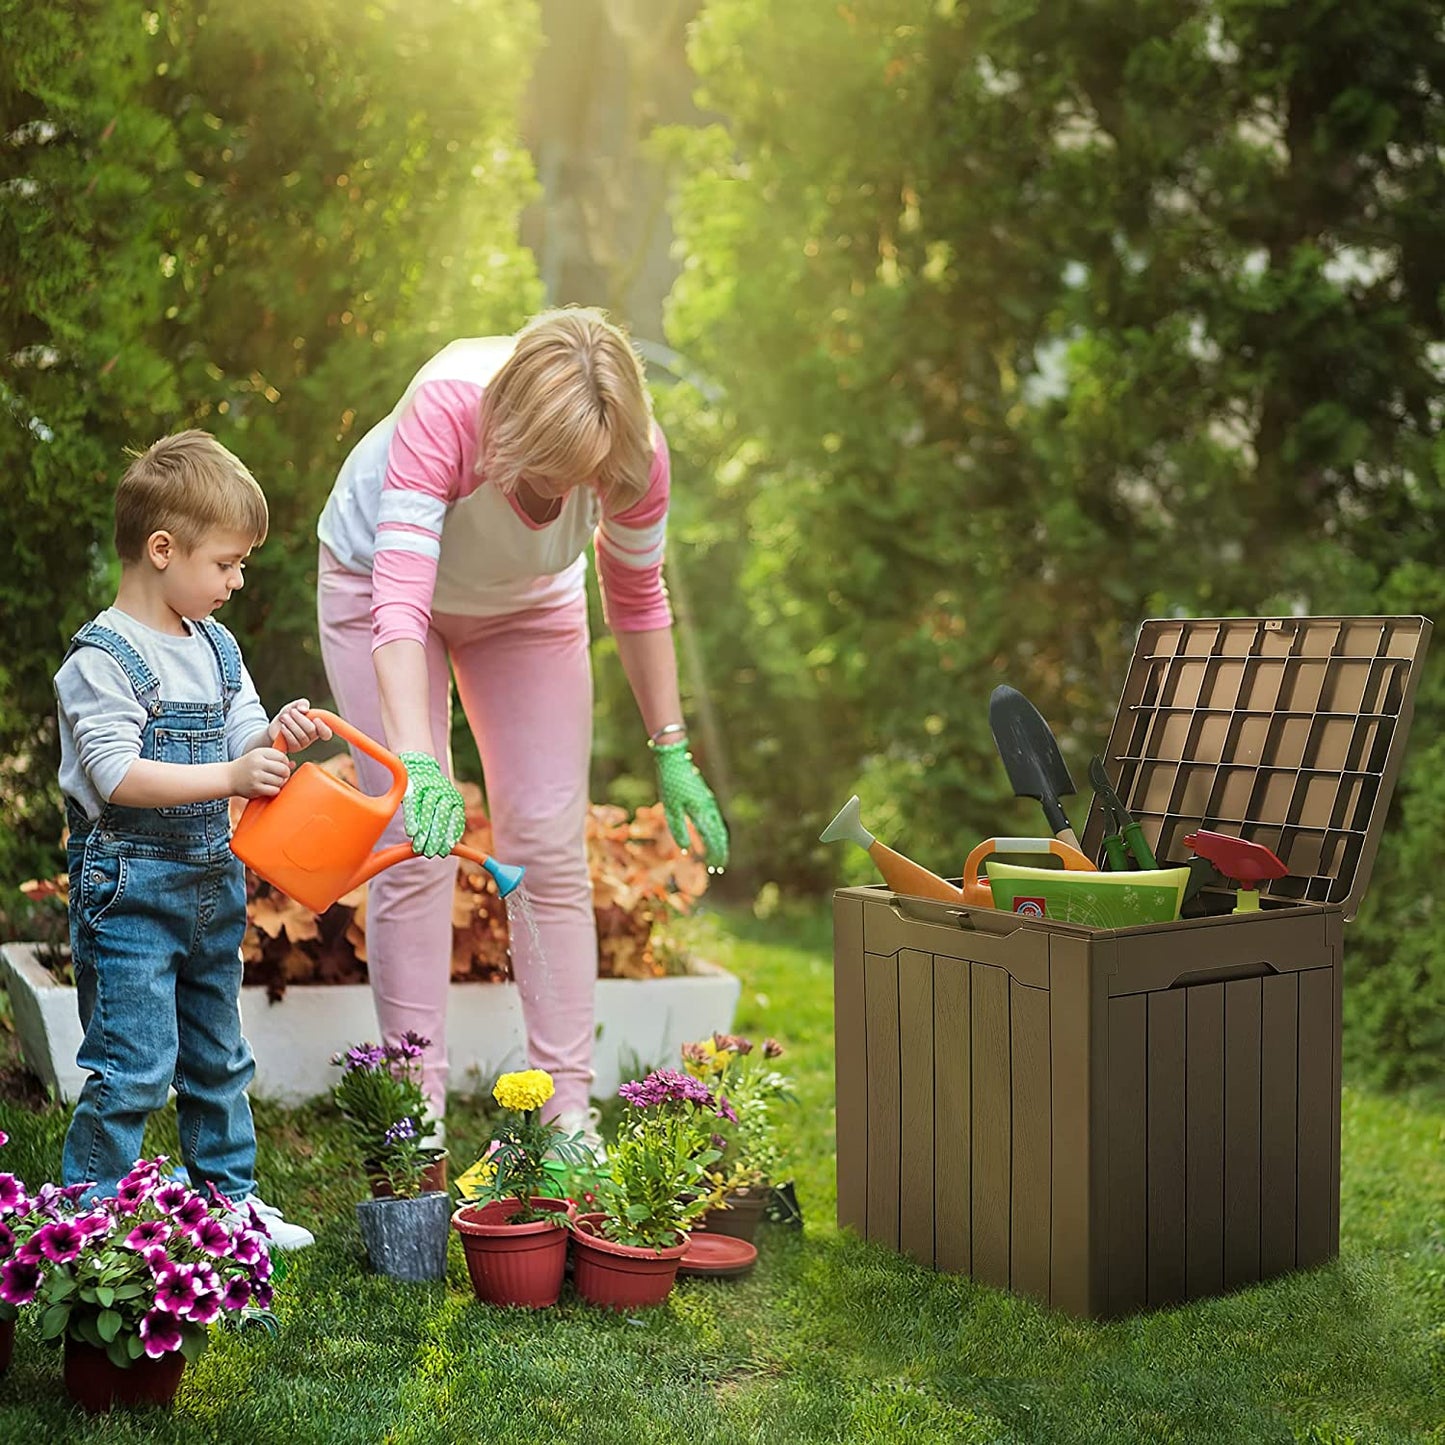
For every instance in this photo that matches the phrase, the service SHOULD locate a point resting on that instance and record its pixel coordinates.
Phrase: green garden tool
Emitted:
(1125, 836)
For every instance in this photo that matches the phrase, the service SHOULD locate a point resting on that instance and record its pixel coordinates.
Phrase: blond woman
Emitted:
(454, 542)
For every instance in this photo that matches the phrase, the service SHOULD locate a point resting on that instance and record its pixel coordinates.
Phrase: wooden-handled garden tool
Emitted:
(1031, 757)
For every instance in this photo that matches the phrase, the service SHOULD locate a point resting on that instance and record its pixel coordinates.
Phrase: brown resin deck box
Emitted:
(1114, 1119)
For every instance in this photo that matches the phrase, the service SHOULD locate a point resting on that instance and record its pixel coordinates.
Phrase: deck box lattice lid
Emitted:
(1285, 731)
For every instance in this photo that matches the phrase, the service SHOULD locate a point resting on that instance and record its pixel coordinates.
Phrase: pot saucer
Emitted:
(717, 1256)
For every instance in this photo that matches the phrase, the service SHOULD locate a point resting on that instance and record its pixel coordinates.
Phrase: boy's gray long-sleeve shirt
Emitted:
(101, 719)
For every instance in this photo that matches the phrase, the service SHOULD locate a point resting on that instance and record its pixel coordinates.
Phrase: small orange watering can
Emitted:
(314, 839)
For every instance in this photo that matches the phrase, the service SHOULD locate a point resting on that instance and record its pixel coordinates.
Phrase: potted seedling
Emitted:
(404, 1225)
(512, 1224)
(130, 1284)
(750, 1158)
(626, 1254)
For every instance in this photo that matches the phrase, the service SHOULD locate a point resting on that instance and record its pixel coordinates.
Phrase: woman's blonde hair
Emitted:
(569, 405)
(188, 485)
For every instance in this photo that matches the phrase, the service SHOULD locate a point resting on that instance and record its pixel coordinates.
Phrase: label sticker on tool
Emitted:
(1031, 907)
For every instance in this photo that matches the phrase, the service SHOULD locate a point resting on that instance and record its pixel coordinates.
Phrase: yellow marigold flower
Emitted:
(526, 1089)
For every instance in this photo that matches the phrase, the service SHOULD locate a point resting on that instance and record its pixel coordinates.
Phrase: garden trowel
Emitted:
(1031, 757)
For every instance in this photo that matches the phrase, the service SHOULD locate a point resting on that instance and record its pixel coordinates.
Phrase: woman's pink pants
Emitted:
(525, 684)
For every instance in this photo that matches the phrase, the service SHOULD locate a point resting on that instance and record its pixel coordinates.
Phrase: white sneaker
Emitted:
(584, 1122)
(284, 1235)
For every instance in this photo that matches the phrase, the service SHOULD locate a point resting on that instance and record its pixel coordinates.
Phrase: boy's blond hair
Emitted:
(569, 405)
(188, 485)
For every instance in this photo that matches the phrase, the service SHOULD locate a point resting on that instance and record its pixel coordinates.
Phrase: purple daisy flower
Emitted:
(169, 1197)
(19, 1281)
(204, 1308)
(237, 1294)
(61, 1241)
(160, 1332)
(664, 1086)
(147, 1235)
(726, 1110)
(410, 1045)
(402, 1129)
(364, 1056)
(12, 1194)
(211, 1236)
(177, 1292)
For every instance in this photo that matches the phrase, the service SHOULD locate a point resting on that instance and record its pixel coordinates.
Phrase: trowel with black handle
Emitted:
(1031, 757)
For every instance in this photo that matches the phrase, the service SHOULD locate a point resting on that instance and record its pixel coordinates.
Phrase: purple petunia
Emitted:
(4, 1138)
(664, 1086)
(148, 1234)
(7, 1241)
(61, 1241)
(95, 1224)
(261, 1296)
(177, 1292)
(211, 1236)
(219, 1200)
(19, 1281)
(160, 1333)
(12, 1194)
(191, 1212)
(247, 1248)
(237, 1294)
(131, 1193)
(170, 1196)
(204, 1308)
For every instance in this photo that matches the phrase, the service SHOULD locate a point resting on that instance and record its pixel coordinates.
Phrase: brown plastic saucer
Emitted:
(718, 1256)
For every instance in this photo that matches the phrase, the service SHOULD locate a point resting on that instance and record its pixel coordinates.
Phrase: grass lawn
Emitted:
(828, 1340)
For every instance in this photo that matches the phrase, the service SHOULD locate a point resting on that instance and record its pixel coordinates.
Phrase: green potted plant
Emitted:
(130, 1284)
(750, 1159)
(512, 1223)
(655, 1185)
(404, 1224)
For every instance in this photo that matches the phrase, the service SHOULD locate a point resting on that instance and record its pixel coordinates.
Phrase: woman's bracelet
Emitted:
(666, 731)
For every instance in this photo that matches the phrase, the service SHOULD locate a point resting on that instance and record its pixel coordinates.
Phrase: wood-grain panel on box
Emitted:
(1165, 1090)
(880, 985)
(1243, 1005)
(1030, 1193)
(1128, 1114)
(1278, 1092)
(992, 1125)
(1318, 1100)
(850, 1068)
(952, 1116)
(1204, 1139)
(915, 1054)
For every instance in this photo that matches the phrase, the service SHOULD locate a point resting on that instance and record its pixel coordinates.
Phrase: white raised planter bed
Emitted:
(640, 1023)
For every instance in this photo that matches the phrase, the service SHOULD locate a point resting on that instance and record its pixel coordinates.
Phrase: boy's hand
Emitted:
(259, 773)
(298, 730)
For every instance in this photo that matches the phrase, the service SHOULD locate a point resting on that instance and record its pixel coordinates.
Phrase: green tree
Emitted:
(258, 220)
(1033, 321)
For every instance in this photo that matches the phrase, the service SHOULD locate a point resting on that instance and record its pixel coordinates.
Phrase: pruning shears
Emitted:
(1124, 835)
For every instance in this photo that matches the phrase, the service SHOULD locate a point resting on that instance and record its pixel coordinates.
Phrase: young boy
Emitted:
(160, 726)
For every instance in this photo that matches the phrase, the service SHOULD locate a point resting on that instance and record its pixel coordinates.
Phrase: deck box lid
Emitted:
(1287, 731)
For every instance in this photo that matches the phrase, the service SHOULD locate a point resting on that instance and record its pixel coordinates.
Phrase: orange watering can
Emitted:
(314, 839)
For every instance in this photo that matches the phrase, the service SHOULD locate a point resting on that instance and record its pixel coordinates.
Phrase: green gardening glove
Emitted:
(686, 796)
(432, 809)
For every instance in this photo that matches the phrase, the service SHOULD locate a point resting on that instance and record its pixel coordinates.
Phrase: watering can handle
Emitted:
(369, 746)
(1074, 861)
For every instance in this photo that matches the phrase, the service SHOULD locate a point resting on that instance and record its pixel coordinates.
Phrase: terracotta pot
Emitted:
(740, 1218)
(96, 1385)
(406, 1238)
(621, 1276)
(514, 1264)
(7, 1343)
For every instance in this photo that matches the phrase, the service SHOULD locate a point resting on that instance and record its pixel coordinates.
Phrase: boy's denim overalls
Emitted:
(157, 910)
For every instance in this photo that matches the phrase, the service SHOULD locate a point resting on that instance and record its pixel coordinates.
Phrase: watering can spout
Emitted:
(507, 876)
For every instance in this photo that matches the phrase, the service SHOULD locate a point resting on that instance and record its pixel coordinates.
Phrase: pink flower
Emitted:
(772, 1049)
(19, 1281)
(132, 1192)
(238, 1293)
(61, 1241)
(177, 1291)
(204, 1308)
(160, 1332)
(247, 1248)
(191, 1212)
(7, 1241)
(95, 1224)
(212, 1236)
(12, 1194)
(156, 1257)
(169, 1197)
(147, 1235)
(261, 1296)
(4, 1138)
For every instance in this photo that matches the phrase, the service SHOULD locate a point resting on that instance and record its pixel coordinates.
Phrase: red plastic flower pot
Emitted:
(96, 1385)
(740, 1218)
(514, 1264)
(621, 1276)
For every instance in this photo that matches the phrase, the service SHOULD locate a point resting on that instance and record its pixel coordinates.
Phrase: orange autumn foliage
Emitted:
(640, 879)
